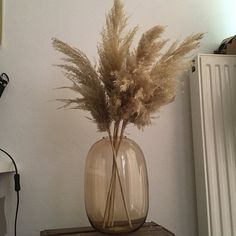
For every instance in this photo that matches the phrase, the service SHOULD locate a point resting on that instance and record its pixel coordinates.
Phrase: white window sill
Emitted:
(5, 166)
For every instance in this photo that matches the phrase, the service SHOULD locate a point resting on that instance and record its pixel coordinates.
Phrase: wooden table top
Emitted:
(148, 229)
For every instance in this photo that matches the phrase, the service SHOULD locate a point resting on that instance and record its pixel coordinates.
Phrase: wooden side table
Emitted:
(148, 229)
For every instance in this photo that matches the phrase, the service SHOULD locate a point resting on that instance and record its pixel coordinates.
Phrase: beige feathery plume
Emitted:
(149, 48)
(85, 82)
(115, 44)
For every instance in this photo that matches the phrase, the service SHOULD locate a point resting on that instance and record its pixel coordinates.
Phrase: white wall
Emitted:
(50, 145)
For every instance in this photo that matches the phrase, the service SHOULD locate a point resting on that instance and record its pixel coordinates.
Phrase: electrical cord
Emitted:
(17, 187)
(4, 80)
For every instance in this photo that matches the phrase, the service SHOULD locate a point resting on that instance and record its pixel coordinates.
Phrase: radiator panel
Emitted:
(213, 100)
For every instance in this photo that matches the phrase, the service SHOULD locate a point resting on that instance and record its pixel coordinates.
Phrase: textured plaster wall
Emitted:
(50, 145)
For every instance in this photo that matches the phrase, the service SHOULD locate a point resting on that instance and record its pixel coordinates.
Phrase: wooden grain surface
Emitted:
(148, 229)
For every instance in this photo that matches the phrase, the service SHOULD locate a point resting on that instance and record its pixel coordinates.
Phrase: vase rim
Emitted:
(107, 137)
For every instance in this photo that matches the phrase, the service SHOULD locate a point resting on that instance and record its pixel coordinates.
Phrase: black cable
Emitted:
(17, 187)
(4, 80)
(17, 209)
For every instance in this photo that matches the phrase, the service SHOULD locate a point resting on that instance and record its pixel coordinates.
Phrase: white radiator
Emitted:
(213, 101)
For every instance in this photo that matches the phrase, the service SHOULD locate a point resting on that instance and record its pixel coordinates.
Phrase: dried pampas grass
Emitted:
(129, 85)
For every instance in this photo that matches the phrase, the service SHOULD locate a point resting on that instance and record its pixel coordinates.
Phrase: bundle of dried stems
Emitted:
(128, 86)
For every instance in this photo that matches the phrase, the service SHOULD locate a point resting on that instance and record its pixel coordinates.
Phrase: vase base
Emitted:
(119, 226)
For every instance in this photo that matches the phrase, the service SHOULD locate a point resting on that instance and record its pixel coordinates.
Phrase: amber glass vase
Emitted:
(116, 187)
